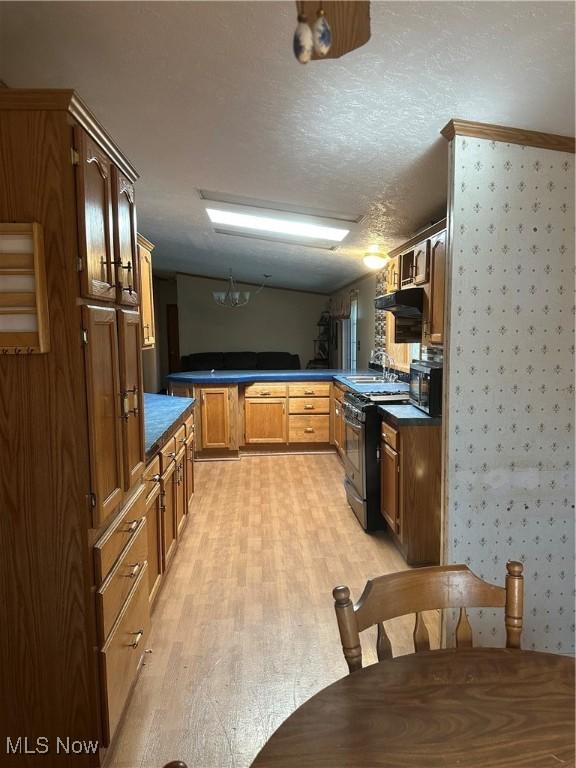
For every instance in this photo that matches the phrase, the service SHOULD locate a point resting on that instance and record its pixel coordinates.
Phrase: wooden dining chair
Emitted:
(426, 589)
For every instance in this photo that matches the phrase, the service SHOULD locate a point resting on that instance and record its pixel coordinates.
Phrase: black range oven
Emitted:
(361, 446)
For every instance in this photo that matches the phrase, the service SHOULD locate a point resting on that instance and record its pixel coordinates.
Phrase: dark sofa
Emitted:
(240, 361)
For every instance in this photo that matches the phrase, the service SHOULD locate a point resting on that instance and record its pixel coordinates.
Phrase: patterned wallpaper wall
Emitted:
(510, 466)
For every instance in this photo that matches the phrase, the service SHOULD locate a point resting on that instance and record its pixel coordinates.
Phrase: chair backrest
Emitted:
(426, 589)
(176, 764)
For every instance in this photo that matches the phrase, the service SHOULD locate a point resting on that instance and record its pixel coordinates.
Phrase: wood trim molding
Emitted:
(145, 243)
(424, 234)
(67, 100)
(509, 135)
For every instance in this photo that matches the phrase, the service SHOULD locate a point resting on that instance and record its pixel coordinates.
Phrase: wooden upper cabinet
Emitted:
(215, 417)
(131, 396)
(435, 327)
(104, 415)
(146, 292)
(125, 239)
(94, 206)
(421, 263)
(265, 420)
(393, 275)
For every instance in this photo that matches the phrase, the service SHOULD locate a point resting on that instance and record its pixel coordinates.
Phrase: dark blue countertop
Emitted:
(408, 415)
(309, 374)
(160, 414)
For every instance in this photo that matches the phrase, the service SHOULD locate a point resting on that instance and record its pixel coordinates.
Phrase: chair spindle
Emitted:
(463, 631)
(383, 646)
(420, 634)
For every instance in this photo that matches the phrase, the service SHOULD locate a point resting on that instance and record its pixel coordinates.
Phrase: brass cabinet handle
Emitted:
(309, 391)
(137, 637)
(154, 479)
(132, 526)
(309, 407)
(265, 394)
(308, 429)
(125, 408)
(135, 570)
(172, 454)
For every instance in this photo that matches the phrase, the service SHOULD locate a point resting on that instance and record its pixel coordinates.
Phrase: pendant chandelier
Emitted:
(232, 297)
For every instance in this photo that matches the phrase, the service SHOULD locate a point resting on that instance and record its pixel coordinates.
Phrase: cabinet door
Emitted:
(338, 424)
(154, 533)
(104, 413)
(389, 483)
(180, 491)
(94, 208)
(131, 396)
(168, 510)
(393, 275)
(215, 417)
(265, 420)
(125, 239)
(189, 473)
(436, 311)
(421, 262)
(146, 296)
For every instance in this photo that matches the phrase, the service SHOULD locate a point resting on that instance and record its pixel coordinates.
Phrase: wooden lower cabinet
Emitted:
(189, 473)
(265, 420)
(309, 429)
(390, 468)
(181, 508)
(114, 592)
(215, 417)
(154, 536)
(410, 487)
(218, 421)
(168, 511)
(122, 654)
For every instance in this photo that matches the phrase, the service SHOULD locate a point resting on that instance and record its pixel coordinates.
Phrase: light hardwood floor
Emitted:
(244, 629)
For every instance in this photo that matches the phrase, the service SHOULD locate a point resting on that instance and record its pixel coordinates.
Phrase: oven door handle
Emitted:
(352, 424)
(352, 491)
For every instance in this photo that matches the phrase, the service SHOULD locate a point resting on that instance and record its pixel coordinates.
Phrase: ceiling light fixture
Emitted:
(232, 297)
(278, 226)
(373, 260)
(276, 223)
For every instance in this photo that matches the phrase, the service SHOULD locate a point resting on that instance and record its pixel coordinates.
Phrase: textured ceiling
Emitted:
(208, 95)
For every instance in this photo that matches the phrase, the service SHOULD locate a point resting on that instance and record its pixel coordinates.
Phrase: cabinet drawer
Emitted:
(309, 429)
(167, 454)
(152, 477)
(123, 651)
(265, 390)
(189, 424)
(390, 436)
(109, 546)
(309, 405)
(309, 389)
(113, 593)
(180, 437)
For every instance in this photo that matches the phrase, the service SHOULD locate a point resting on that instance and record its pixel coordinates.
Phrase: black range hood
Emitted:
(405, 303)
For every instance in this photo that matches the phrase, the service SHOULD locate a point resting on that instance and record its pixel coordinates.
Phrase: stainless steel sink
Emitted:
(365, 379)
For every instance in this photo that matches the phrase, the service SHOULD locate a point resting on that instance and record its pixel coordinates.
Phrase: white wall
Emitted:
(510, 380)
(273, 321)
(366, 288)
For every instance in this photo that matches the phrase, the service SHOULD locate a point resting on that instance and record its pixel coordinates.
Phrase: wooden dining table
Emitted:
(467, 708)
